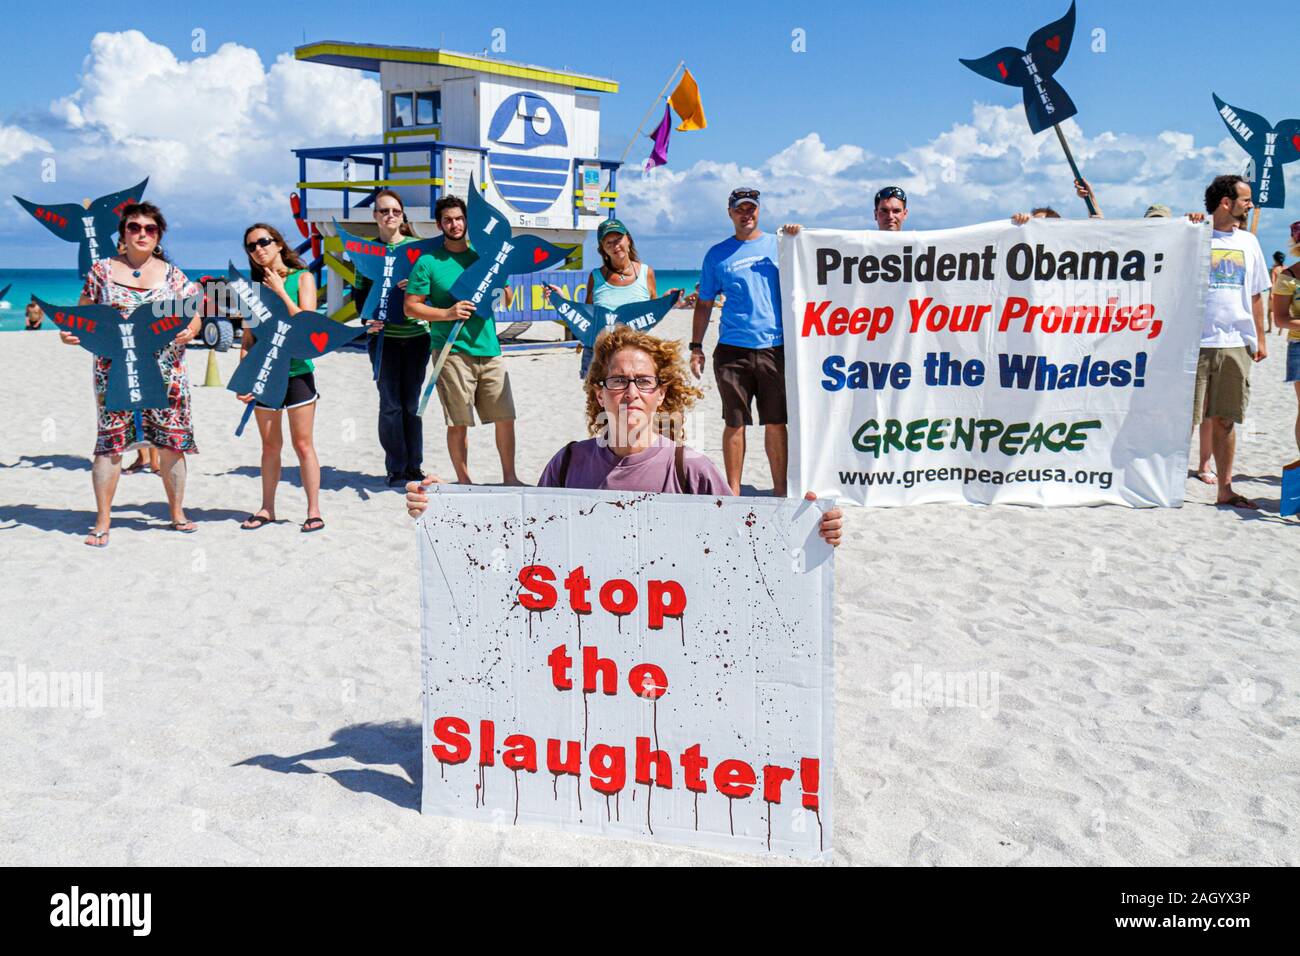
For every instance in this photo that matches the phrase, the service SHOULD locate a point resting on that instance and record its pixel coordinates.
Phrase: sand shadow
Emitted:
(46, 462)
(154, 516)
(396, 742)
(331, 478)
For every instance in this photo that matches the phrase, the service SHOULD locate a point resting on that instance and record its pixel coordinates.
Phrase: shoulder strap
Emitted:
(679, 464)
(562, 478)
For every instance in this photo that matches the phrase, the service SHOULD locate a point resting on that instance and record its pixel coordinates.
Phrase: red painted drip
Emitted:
(810, 777)
(731, 820)
(516, 773)
(649, 792)
(697, 809)
(769, 825)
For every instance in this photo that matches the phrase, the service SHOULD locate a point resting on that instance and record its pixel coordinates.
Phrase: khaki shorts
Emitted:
(475, 382)
(1222, 384)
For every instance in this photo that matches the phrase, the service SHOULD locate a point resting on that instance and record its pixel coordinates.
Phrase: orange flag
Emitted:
(686, 103)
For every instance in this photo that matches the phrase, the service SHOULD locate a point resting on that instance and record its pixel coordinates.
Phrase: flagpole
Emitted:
(1254, 223)
(680, 64)
(1074, 167)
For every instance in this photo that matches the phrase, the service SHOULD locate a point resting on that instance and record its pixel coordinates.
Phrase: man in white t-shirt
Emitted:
(1233, 335)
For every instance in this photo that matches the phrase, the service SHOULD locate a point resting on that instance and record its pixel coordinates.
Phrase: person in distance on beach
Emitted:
(283, 274)
(1279, 263)
(33, 317)
(475, 376)
(138, 274)
(1286, 316)
(404, 359)
(637, 396)
(749, 359)
(1233, 332)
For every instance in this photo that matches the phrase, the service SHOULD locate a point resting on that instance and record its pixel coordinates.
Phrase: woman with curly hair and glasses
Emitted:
(637, 396)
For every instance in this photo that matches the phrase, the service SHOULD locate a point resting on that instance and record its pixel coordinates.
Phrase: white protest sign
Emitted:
(1050, 364)
(636, 665)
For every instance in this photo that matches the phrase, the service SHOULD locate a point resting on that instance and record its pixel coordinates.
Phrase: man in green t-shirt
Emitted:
(475, 376)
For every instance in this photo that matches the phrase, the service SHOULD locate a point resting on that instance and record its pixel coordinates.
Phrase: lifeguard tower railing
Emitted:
(388, 166)
(382, 160)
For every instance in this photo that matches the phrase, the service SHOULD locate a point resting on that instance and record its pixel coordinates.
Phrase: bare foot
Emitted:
(514, 483)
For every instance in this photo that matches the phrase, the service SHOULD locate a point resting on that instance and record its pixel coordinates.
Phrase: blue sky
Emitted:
(879, 90)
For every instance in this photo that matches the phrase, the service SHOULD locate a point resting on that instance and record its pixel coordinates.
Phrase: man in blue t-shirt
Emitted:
(749, 360)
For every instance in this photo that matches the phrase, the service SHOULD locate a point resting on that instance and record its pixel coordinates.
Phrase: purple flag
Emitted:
(659, 154)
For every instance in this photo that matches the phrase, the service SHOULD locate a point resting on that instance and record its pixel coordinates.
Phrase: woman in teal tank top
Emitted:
(622, 278)
(278, 268)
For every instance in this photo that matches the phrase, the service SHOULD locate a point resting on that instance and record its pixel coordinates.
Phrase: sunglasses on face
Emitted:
(389, 211)
(258, 244)
(619, 383)
(135, 228)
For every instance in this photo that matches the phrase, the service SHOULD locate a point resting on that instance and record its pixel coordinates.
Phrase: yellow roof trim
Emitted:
(360, 56)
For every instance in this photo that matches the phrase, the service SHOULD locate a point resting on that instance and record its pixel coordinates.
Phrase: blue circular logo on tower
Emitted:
(522, 123)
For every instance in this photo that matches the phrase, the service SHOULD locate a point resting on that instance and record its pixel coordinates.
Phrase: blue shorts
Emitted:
(1293, 361)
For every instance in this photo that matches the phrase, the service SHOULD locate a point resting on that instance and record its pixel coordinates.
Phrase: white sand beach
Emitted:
(260, 690)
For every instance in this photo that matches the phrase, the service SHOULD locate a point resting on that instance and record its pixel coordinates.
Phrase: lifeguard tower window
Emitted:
(423, 108)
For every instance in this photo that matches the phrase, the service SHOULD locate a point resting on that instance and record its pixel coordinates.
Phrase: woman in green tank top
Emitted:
(278, 268)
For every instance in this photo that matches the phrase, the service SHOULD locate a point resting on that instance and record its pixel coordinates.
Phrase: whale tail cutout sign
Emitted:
(1269, 147)
(500, 255)
(385, 268)
(93, 229)
(587, 321)
(280, 338)
(1032, 69)
(131, 345)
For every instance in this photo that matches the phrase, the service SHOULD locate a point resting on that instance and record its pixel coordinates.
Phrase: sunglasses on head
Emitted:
(259, 243)
(148, 228)
(891, 192)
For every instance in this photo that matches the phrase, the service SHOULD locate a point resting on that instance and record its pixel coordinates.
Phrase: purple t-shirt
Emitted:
(595, 467)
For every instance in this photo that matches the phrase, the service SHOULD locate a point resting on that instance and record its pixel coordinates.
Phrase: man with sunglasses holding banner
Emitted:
(749, 360)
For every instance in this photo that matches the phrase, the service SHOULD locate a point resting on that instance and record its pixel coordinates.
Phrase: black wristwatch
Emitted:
(697, 346)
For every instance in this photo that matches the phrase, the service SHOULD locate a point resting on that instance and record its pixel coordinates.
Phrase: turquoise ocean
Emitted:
(62, 287)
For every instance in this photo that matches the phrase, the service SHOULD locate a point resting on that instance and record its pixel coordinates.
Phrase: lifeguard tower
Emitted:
(529, 136)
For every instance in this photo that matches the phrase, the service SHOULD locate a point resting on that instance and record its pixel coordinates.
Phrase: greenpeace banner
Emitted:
(644, 666)
(1049, 364)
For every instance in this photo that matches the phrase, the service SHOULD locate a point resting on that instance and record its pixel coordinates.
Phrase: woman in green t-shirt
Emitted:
(282, 273)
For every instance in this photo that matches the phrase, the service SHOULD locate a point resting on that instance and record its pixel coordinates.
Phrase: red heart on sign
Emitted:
(538, 255)
(1295, 141)
(1054, 44)
(412, 254)
(320, 340)
(1002, 68)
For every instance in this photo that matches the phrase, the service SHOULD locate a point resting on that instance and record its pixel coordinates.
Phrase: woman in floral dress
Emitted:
(138, 274)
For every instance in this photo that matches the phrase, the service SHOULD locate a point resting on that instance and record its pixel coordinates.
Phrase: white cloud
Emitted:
(16, 142)
(213, 133)
(975, 171)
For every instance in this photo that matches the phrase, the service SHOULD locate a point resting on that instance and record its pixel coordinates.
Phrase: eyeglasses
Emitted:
(619, 383)
(259, 243)
(388, 211)
(148, 228)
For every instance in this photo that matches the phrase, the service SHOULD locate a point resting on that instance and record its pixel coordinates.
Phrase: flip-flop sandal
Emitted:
(134, 469)
(101, 539)
(1239, 501)
(1207, 477)
(178, 526)
(312, 524)
(253, 522)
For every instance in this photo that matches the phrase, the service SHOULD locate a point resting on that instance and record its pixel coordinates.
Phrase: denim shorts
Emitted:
(1293, 361)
